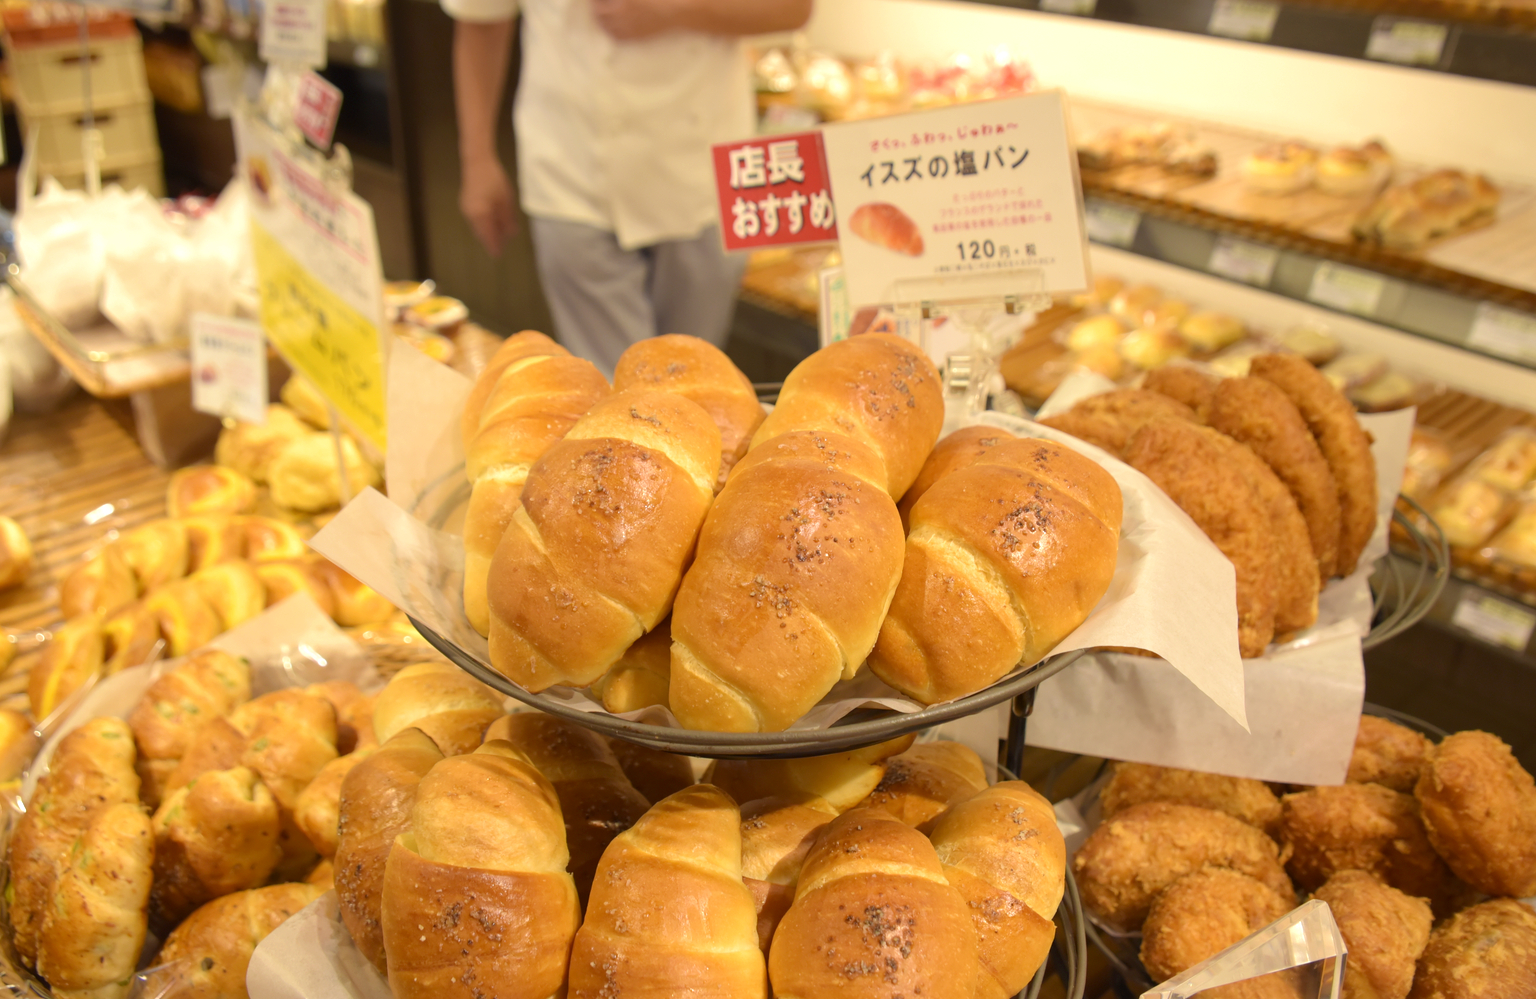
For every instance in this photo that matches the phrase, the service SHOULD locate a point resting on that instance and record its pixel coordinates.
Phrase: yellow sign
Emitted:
(318, 333)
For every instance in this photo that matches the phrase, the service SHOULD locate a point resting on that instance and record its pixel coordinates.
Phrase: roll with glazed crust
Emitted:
(179, 703)
(187, 620)
(72, 657)
(700, 371)
(1344, 443)
(304, 475)
(1488, 950)
(129, 635)
(1388, 754)
(654, 774)
(1142, 850)
(1001, 849)
(596, 799)
(1181, 459)
(209, 489)
(356, 603)
(207, 956)
(1242, 798)
(101, 584)
(1203, 913)
(874, 916)
(923, 781)
(283, 578)
(233, 590)
(212, 539)
(439, 699)
(15, 553)
(686, 851)
(318, 808)
(1384, 929)
(1254, 412)
(1004, 559)
(531, 393)
(1479, 809)
(841, 780)
(958, 450)
(377, 797)
(250, 448)
(93, 929)
(267, 538)
(486, 849)
(776, 835)
(157, 552)
(643, 674)
(594, 554)
(354, 714)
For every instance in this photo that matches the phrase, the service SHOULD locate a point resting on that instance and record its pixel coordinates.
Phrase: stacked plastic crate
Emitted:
(68, 81)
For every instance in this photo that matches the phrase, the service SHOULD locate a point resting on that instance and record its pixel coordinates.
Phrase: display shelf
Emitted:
(1488, 41)
(1496, 618)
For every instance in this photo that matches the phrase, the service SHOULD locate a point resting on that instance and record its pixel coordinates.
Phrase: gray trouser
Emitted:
(605, 298)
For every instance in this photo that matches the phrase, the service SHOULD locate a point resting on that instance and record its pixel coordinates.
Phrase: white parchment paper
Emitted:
(1172, 593)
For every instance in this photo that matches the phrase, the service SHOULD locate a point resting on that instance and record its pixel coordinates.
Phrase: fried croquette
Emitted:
(1334, 828)
(1190, 386)
(1111, 418)
(1243, 798)
(1385, 930)
(1139, 852)
(1180, 458)
(1344, 443)
(1487, 950)
(1297, 580)
(1259, 415)
(1479, 809)
(1387, 754)
(1204, 913)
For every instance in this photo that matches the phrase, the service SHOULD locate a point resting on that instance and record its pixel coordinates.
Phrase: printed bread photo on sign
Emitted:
(885, 225)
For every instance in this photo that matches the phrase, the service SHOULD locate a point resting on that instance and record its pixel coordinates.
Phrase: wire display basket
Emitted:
(1402, 594)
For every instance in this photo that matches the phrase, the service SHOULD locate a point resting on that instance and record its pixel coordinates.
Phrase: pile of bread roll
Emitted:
(662, 542)
(1273, 466)
(1400, 853)
(182, 581)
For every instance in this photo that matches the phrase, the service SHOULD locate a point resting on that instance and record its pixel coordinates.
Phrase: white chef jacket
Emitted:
(617, 134)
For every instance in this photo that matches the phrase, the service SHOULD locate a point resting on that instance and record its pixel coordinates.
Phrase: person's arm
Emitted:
(481, 51)
(628, 19)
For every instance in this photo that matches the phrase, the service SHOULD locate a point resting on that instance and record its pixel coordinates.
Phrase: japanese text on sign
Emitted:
(774, 192)
(316, 107)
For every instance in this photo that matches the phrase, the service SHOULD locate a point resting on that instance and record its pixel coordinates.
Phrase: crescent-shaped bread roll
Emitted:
(841, 780)
(923, 781)
(885, 225)
(776, 835)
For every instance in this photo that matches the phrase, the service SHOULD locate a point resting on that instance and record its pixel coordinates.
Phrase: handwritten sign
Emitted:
(773, 192)
(229, 368)
(317, 266)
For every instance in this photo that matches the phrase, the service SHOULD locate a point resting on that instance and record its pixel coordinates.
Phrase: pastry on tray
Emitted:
(1408, 216)
(1280, 168)
(1349, 171)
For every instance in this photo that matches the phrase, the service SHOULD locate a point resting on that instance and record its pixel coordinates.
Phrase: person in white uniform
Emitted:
(618, 105)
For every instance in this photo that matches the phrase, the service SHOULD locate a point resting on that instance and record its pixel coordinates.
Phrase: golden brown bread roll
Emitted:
(776, 835)
(304, 476)
(1001, 849)
(596, 799)
(1479, 809)
(181, 701)
(767, 619)
(207, 956)
(250, 448)
(322, 875)
(215, 746)
(700, 371)
(101, 584)
(91, 768)
(283, 578)
(841, 780)
(93, 929)
(218, 835)
(375, 806)
(442, 701)
(304, 398)
(654, 774)
(954, 451)
(72, 658)
(486, 830)
(187, 620)
(289, 736)
(128, 635)
(608, 519)
(233, 590)
(209, 489)
(356, 603)
(317, 810)
(686, 851)
(874, 916)
(925, 780)
(885, 225)
(18, 744)
(530, 394)
(16, 553)
(354, 714)
(157, 552)
(1385, 931)
(212, 539)
(266, 538)
(641, 677)
(1004, 559)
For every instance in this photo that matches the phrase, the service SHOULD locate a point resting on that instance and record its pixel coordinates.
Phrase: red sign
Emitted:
(315, 108)
(773, 191)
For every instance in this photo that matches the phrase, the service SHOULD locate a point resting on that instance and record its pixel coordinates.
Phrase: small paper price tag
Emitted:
(1504, 332)
(229, 368)
(836, 315)
(1347, 289)
(1248, 20)
(1082, 8)
(1243, 261)
(1115, 225)
(293, 33)
(1410, 43)
(1494, 621)
(316, 106)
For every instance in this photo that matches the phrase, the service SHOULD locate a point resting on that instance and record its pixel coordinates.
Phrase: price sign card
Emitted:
(1243, 261)
(293, 33)
(229, 368)
(1504, 332)
(1346, 289)
(316, 106)
(976, 191)
(773, 192)
(317, 267)
(1412, 43)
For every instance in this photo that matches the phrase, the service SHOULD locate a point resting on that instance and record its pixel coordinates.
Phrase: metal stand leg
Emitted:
(1013, 749)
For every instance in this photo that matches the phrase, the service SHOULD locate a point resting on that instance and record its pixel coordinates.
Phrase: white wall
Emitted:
(1432, 118)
